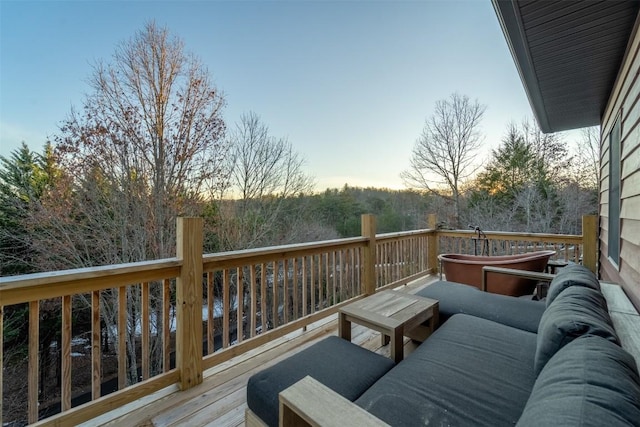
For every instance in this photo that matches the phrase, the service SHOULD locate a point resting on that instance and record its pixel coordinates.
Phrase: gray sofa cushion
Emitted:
(471, 371)
(575, 312)
(456, 298)
(571, 275)
(342, 366)
(590, 382)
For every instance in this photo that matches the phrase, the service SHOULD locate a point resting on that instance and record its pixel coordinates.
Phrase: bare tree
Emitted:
(151, 133)
(444, 156)
(588, 158)
(147, 142)
(263, 172)
(579, 191)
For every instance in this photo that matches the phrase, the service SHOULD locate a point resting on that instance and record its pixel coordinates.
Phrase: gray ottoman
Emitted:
(346, 368)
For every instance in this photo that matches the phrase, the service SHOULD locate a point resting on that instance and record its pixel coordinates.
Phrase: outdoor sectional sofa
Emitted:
(495, 360)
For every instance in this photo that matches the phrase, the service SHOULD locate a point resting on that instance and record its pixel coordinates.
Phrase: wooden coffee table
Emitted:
(394, 314)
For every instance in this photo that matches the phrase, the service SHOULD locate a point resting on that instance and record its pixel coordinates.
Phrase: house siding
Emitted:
(623, 104)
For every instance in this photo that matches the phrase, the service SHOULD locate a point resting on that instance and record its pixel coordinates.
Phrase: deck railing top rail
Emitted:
(402, 234)
(232, 259)
(40, 286)
(515, 235)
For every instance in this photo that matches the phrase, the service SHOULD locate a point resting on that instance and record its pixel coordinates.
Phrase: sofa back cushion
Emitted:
(571, 275)
(577, 311)
(454, 298)
(590, 382)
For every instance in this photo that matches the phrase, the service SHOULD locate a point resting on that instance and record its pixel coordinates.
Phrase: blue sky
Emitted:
(349, 83)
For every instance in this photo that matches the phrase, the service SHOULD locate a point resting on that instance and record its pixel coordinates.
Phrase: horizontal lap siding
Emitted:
(624, 103)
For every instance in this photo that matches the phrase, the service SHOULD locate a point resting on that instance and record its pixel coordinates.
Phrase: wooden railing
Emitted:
(168, 320)
(567, 247)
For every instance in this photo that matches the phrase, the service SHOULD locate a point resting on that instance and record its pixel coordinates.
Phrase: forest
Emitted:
(149, 144)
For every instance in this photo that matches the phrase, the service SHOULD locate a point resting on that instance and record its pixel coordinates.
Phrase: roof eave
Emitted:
(516, 40)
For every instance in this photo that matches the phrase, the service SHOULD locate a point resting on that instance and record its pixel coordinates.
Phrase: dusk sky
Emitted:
(349, 83)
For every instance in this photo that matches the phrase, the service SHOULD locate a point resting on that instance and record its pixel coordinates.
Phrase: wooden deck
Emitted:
(221, 399)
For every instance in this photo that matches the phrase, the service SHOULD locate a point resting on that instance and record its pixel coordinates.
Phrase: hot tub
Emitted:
(468, 269)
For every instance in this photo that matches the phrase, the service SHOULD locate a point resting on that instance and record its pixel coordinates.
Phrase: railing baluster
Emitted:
(391, 261)
(384, 262)
(417, 255)
(65, 399)
(408, 267)
(380, 265)
(327, 279)
(285, 291)
(320, 284)
(254, 300)
(579, 253)
(359, 271)
(122, 337)
(381, 253)
(210, 313)
(305, 283)
(276, 285)
(34, 349)
(96, 350)
(225, 308)
(355, 271)
(166, 326)
(348, 272)
(312, 285)
(334, 279)
(387, 263)
(144, 323)
(263, 297)
(296, 303)
(397, 247)
(240, 310)
(400, 246)
(341, 271)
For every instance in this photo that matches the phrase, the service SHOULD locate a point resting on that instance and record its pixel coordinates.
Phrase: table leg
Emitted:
(397, 347)
(434, 322)
(344, 327)
(384, 339)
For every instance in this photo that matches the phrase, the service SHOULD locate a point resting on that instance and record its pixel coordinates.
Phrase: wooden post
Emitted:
(433, 250)
(369, 254)
(189, 246)
(590, 242)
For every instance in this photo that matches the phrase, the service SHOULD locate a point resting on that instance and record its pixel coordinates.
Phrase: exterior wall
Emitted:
(624, 103)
